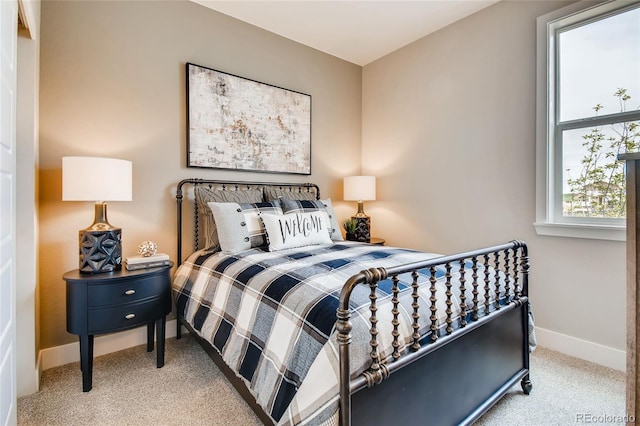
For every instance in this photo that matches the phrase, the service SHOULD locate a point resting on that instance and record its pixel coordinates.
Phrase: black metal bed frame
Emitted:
(478, 361)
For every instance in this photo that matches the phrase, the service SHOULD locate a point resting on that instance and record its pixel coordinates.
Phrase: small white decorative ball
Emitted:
(147, 248)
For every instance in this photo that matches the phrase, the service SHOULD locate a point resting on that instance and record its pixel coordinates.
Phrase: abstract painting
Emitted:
(241, 124)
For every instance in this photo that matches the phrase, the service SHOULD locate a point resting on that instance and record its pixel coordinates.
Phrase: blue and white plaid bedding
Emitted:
(271, 315)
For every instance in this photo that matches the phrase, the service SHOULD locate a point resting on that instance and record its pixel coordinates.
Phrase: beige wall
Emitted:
(113, 84)
(449, 129)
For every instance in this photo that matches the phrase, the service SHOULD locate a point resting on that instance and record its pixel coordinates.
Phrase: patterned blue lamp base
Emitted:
(100, 251)
(363, 225)
(100, 244)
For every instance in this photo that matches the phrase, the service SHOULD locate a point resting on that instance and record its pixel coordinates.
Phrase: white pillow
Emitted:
(296, 229)
(304, 206)
(238, 225)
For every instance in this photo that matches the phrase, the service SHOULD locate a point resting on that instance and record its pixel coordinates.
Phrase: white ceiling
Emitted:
(358, 31)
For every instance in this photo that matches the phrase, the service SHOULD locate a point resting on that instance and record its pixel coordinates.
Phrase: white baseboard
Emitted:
(65, 354)
(583, 349)
(27, 384)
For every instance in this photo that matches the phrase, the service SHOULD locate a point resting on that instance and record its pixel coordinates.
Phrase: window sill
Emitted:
(594, 232)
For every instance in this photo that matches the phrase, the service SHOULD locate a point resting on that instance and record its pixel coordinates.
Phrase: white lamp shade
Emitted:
(96, 179)
(360, 188)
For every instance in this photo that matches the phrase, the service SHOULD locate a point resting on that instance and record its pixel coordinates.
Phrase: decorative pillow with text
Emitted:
(296, 229)
(305, 206)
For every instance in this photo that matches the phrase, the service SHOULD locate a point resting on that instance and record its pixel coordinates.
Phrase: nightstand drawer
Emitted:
(125, 316)
(125, 292)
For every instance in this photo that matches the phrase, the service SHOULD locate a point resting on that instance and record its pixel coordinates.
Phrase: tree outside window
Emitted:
(597, 187)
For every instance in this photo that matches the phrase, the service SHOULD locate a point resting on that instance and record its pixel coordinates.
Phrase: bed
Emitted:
(312, 329)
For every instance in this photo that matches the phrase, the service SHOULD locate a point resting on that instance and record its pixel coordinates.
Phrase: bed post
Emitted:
(179, 248)
(179, 197)
(343, 327)
(525, 383)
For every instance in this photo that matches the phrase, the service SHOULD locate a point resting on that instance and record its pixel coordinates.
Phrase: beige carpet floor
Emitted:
(190, 390)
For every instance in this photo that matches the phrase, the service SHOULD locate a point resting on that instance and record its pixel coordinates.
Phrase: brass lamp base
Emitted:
(100, 245)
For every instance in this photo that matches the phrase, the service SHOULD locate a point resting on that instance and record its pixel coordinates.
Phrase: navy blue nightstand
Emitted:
(116, 301)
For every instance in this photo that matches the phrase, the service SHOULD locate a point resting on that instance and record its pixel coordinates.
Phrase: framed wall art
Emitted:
(241, 124)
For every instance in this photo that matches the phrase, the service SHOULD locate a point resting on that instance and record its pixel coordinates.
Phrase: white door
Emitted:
(8, 57)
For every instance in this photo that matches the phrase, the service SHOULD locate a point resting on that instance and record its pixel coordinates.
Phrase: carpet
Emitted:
(189, 390)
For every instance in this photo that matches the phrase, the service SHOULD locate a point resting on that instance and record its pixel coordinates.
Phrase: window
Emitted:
(588, 113)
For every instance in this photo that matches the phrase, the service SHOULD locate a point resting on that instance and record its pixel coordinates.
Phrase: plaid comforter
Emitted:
(271, 315)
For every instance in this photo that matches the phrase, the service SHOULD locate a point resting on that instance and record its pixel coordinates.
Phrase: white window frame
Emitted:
(549, 219)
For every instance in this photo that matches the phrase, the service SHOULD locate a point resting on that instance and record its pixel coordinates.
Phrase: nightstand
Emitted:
(116, 301)
(377, 241)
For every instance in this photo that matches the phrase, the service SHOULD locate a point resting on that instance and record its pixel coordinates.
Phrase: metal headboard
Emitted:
(227, 185)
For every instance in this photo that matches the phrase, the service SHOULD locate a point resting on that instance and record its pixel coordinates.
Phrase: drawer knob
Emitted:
(130, 292)
(130, 316)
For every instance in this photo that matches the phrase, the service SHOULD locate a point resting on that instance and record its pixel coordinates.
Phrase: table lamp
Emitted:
(100, 180)
(360, 189)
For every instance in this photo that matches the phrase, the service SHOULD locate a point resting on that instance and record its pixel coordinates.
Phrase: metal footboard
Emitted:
(499, 274)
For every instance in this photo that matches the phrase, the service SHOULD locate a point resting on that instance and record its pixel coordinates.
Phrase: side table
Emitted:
(116, 301)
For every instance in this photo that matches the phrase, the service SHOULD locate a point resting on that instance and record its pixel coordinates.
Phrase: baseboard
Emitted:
(27, 384)
(65, 354)
(583, 349)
